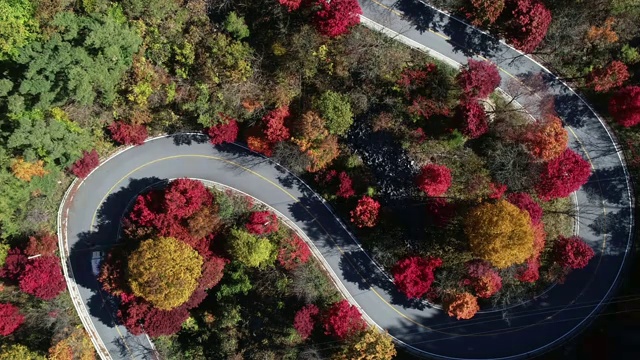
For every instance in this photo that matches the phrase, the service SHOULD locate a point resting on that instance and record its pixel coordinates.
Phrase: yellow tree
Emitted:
(164, 271)
(462, 306)
(368, 345)
(251, 250)
(17, 351)
(500, 233)
(309, 130)
(25, 170)
(76, 346)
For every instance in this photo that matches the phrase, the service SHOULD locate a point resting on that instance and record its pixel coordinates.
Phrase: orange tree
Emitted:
(164, 271)
(499, 233)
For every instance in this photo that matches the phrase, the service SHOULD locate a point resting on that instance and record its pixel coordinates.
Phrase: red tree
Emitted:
(132, 312)
(336, 17)
(528, 25)
(525, 202)
(14, 264)
(413, 275)
(260, 145)
(305, 320)
(165, 322)
(497, 190)
(472, 119)
(44, 244)
(224, 133)
(343, 320)
(127, 134)
(546, 139)
(530, 272)
(212, 272)
(562, 176)
(539, 238)
(434, 179)
(624, 106)
(275, 131)
(572, 252)
(291, 5)
(366, 212)
(183, 197)
(83, 166)
(478, 79)
(42, 277)
(293, 253)
(345, 186)
(484, 280)
(262, 222)
(603, 79)
(10, 318)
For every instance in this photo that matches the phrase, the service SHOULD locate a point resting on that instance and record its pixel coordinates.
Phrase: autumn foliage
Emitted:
(275, 130)
(366, 212)
(484, 280)
(414, 275)
(371, 344)
(128, 134)
(83, 166)
(485, 11)
(341, 182)
(262, 222)
(25, 170)
(336, 17)
(42, 277)
(546, 139)
(605, 78)
(529, 23)
(291, 5)
(43, 244)
(305, 320)
(10, 318)
(624, 106)
(472, 118)
(478, 79)
(343, 320)
(260, 145)
(223, 133)
(462, 306)
(77, 345)
(562, 175)
(530, 272)
(525, 202)
(499, 233)
(434, 180)
(293, 253)
(572, 252)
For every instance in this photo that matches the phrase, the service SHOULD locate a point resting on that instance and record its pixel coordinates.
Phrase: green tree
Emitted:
(83, 62)
(17, 26)
(18, 352)
(336, 110)
(164, 271)
(251, 250)
(236, 26)
(500, 233)
(235, 282)
(4, 249)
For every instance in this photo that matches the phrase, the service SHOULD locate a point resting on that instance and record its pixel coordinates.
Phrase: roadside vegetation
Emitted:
(458, 192)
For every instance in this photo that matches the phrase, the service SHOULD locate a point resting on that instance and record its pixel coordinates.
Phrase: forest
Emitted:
(432, 166)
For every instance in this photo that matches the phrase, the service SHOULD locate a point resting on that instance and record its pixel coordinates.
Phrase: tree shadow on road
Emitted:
(607, 184)
(180, 139)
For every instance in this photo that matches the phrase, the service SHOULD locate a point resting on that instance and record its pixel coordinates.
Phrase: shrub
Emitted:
(562, 176)
(572, 252)
(499, 233)
(224, 133)
(345, 186)
(478, 79)
(305, 320)
(336, 110)
(462, 306)
(336, 17)
(414, 275)
(164, 271)
(262, 223)
(366, 212)
(10, 318)
(83, 166)
(293, 253)
(434, 180)
(127, 134)
(624, 106)
(530, 272)
(42, 277)
(343, 321)
(603, 79)
(525, 202)
(484, 280)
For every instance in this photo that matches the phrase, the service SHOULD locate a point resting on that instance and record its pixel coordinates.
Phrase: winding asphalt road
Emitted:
(92, 213)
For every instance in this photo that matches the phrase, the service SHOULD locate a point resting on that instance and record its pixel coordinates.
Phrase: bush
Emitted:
(127, 134)
(462, 306)
(305, 320)
(434, 180)
(366, 212)
(414, 275)
(83, 166)
(530, 272)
